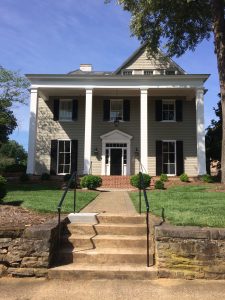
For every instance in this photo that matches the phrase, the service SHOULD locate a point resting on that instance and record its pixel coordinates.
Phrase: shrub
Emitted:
(207, 178)
(163, 177)
(3, 189)
(45, 176)
(159, 185)
(135, 180)
(24, 177)
(91, 182)
(184, 177)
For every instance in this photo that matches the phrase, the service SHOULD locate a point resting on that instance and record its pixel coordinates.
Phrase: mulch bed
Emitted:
(14, 216)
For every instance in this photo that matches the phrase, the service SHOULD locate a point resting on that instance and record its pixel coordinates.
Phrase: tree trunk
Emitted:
(219, 42)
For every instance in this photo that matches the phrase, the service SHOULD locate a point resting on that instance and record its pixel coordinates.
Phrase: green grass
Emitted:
(187, 205)
(45, 198)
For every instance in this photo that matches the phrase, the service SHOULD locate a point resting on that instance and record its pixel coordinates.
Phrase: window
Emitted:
(64, 157)
(65, 110)
(168, 110)
(170, 72)
(116, 110)
(148, 72)
(127, 72)
(169, 155)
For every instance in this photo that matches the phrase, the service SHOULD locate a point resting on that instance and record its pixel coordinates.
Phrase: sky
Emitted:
(56, 36)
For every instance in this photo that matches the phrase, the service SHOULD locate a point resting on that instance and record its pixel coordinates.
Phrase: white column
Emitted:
(32, 131)
(144, 130)
(200, 127)
(88, 128)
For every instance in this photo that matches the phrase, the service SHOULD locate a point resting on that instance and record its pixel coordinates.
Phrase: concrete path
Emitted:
(162, 289)
(117, 202)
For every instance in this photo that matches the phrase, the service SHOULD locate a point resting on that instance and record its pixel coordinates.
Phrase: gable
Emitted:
(140, 61)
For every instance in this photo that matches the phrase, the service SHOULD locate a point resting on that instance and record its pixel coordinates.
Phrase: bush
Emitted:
(15, 168)
(184, 177)
(159, 185)
(163, 177)
(91, 182)
(24, 177)
(3, 189)
(135, 180)
(45, 176)
(207, 178)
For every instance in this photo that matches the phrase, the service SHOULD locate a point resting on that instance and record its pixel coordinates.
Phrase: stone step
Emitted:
(79, 229)
(78, 241)
(105, 256)
(119, 241)
(121, 219)
(81, 271)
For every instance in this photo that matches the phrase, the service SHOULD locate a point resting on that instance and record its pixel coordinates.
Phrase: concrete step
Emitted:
(78, 241)
(119, 241)
(120, 229)
(79, 229)
(81, 271)
(121, 219)
(105, 256)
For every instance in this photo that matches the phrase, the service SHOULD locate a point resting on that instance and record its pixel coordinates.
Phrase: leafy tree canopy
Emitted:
(13, 89)
(14, 150)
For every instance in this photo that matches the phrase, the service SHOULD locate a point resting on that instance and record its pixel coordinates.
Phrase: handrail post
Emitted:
(59, 225)
(148, 231)
(75, 193)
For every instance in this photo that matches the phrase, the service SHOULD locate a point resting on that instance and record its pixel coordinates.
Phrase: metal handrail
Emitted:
(142, 187)
(73, 177)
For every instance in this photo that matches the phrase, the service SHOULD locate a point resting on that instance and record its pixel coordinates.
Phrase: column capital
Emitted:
(89, 91)
(144, 91)
(199, 91)
(32, 90)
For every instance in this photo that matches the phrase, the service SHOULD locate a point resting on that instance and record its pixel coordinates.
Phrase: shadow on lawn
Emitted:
(13, 203)
(31, 187)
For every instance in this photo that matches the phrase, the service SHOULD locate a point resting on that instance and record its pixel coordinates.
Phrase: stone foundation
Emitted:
(28, 251)
(190, 252)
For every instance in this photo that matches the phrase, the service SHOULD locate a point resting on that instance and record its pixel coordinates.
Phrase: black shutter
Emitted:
(54, 150)
(56, 110)
(179, 157)
(75, 110)
(106, 110)
(126, 110)
(158, 110)
(179, 110)
(74, 154)
(158, 154)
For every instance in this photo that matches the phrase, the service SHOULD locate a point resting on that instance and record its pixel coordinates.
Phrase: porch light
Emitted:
(116, 122)
(96, 151)
(136, 152)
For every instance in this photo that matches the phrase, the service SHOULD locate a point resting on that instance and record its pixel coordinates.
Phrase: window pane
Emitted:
(61, 158)
(67, 169)
(60, 169)
(165, 158)
(171, 158)
(170, 107)
(67, 158)
(165, 147)
(61, 146)
(171, 147)
(65, 112)
(165, 168)
(67, 146)
(171, 115)
(172, 168)
(116, 110)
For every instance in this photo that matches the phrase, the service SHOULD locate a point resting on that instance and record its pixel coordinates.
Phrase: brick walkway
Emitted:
(111, 202)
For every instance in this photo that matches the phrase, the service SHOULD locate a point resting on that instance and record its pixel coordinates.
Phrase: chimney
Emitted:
(86, 67)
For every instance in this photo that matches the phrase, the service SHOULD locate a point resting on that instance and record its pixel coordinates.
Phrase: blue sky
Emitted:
(53, 36)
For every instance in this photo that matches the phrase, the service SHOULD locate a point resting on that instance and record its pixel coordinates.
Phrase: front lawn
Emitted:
(187, 205)
(45, 198)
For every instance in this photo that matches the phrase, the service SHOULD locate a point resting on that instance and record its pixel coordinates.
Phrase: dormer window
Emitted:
(170, 72)
(148, 72)
(127, 72)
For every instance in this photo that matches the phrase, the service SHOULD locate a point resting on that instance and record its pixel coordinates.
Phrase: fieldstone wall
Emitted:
(190, 252)
(28, 251)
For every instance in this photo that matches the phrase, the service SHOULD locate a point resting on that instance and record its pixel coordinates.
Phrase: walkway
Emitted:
(117, 202)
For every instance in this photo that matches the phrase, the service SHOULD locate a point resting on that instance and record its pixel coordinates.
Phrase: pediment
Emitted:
(116, 136)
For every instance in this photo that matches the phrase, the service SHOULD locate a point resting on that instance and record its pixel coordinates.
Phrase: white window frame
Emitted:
(127, 71)
(63, 100)
(175, 153)
(174, 103)
(63, 140)
(118, 100)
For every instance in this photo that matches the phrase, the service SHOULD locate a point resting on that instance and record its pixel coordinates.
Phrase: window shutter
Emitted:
(126, 110)
(54, 150)
(158, 110)
(179, 110)
(179, 157)
(74, 154)
(75, 110)
(106, 110)
(56, 110)
(158, 158)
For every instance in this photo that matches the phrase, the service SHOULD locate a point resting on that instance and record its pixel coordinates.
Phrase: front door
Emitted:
(116, 162)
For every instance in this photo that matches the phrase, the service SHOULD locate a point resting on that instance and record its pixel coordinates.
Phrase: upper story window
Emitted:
(168, 110)
(127, 72)
(148, 72)
(65, 110)
(170, 72)
(116, 109)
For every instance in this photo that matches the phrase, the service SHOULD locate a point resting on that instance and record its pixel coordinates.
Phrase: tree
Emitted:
(178, 26)
(13, 89)
(15, 151)
(213, 136)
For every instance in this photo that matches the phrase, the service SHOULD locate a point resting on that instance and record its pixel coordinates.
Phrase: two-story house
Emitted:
(147, 114)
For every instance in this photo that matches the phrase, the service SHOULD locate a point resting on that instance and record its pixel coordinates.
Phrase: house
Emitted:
(147, 115)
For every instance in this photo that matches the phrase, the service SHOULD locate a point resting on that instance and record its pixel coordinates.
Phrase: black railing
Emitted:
(73, 180)
(142, 188)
